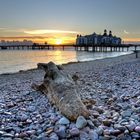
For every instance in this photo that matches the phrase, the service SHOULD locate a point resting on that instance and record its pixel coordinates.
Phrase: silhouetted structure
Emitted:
(96, 39)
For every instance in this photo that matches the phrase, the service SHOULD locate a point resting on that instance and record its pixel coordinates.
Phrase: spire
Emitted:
(110, 33)
(105, 33)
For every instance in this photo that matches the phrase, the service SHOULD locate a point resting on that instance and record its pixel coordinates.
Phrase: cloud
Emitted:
(126, 32)
(41, 32)
(23, 37)
(2, 28)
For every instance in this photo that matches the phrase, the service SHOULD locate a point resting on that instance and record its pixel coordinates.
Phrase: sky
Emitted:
(59, 21)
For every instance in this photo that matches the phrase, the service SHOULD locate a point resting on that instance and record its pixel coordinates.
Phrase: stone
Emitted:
(31, 132)
(93, 135)
(74, 132)
(121, 137)
(10, 105)
(22, 135)
(6, 138)
(115, 132)
(62, 132)
(126, 113)
(84, 135)
(100, 130)
(96, 122)
(42, 138)
(131, 126)
(99, 109)
(137, 129)
(135, 135)
(138, 110)
(2, 132)
(49, 130)
(64, 121)
(8, 135)
(91, 125)
(107, 122)
(81, 122)
(31, 108)
(95, 114)
(24, 117)
(120, 127)
(54, 137)
(8, 129)
(106, 132)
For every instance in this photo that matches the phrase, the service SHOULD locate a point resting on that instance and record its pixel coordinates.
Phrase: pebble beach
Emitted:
(113, 83)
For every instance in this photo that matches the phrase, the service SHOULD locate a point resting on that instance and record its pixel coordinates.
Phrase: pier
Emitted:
(35, 47)
(88, 48)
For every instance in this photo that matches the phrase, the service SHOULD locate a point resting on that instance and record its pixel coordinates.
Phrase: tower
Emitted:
(110, 33)
(105, 33)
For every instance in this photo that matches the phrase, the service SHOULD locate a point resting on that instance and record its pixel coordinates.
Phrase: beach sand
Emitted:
(114, 83)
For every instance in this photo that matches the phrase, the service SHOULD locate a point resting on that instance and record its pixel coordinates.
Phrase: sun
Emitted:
(58, 41)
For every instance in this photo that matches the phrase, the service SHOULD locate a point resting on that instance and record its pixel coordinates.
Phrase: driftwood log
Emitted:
(61, 91)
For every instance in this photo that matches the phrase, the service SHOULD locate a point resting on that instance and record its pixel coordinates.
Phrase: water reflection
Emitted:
(12, 61)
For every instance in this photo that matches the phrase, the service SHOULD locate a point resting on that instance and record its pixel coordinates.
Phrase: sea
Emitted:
(15, 60)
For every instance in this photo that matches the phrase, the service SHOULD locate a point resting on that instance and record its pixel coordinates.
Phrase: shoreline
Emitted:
(113, 83)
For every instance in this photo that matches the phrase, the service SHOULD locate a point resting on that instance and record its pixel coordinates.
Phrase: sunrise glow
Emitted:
(58, 41)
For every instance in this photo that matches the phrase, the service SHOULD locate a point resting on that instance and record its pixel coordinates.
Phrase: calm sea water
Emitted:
(13, 61)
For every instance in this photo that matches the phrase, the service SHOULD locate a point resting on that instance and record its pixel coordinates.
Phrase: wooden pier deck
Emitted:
(91, 48)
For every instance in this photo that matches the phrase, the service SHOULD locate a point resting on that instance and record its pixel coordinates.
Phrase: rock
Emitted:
(62, 132)
(64, 121)
(31, 108)
(106, 132)
(103, 97)
(10, 105)
(126, 113)
(138, 110)
(107, 122)
(91, 125)
(81, 122)
(28, 121)
(99, 109)
(2, 132)
(31, 132)
(120, 127)
(121, 137)
(100, 130)
(6, 138)
(8, 129)
(84, 135)
(105, 137)
(93, 135)
(74, 132)
(22, 135)
(54, 137)
(115, 132)
(95, 114)
(17, 129)
(49, 130)
(110, 101)
(24, 117)
(137, 129)
(42, 138)
(135, 135)
(131, 126)
(8, 135)
(7, 113)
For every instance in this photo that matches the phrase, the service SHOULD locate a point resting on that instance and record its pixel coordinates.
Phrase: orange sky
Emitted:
(54, 36)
